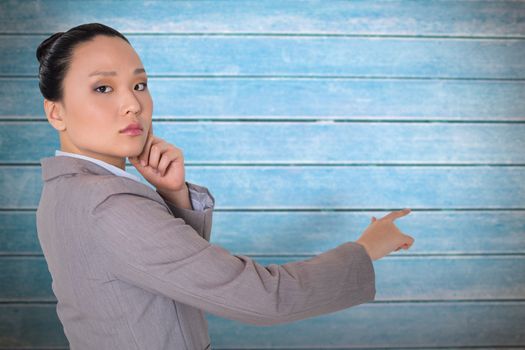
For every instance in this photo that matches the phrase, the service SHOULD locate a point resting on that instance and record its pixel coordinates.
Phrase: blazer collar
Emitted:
(53, 167)
(62, 165)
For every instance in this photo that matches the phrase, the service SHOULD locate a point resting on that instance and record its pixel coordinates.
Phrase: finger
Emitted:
(154, 155)
(156, 151)
(164, 163)
(151, 127)
(144, 156)
(409, 243)
(397, 214)
(404, 246)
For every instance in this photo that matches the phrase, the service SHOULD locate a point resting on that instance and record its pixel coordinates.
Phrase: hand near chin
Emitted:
(163, 164)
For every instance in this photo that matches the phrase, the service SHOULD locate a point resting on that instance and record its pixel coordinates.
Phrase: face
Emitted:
(97, 106)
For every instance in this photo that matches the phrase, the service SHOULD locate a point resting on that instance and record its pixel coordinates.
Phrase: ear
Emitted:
(54, 115)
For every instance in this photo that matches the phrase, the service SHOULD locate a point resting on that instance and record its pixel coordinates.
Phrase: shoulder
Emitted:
(125, 213)
(121, 190)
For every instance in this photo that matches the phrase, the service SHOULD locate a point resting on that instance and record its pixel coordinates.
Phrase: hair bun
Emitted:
(55, 55)
(45, 45)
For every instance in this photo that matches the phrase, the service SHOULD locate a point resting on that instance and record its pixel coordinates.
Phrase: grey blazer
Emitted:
(132, 271)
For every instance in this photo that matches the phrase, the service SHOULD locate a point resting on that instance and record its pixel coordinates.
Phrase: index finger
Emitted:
(144, 155)
(397, 214)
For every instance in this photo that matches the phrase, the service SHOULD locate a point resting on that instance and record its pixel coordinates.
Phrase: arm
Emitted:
(200, 216)
(148, 247)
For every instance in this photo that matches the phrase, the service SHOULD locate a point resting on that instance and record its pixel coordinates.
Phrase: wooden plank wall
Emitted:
(304, 119)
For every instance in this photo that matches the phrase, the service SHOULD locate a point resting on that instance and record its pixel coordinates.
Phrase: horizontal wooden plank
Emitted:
(404, 326)
(323, 187)
(470, 18)
(381, 61)
(371, 325)
(435, 232)
(304, 142)
(312, 56)
(397, 278)
(308, 98)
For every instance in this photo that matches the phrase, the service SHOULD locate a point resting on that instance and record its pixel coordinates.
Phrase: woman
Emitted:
(133, 267)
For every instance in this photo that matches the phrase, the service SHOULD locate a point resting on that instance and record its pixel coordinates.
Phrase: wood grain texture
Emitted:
(398, 278)
(300, 56)
(470, 18)
(377, 325)
(313, 142)
(439, 232)
(308, 118)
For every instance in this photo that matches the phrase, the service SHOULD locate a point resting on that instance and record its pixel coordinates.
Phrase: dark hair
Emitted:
(55, 52)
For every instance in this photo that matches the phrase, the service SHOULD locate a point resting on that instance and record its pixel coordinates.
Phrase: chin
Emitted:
(130, 151)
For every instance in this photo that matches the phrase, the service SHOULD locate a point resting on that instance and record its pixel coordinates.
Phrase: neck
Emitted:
(67, 146)
(119, 162)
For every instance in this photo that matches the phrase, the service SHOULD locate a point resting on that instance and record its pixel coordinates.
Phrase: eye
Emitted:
(102, 86)
(145, 85)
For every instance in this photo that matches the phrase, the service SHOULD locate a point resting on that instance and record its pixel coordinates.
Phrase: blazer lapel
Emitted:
(64, 165)
(56, 166)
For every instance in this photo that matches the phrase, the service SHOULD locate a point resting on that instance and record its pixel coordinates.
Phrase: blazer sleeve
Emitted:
(146, 246)
(199, 218)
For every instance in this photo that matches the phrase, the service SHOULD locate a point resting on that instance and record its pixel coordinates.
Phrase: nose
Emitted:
(130, 104)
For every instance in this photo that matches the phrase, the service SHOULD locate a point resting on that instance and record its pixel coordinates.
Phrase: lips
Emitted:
(132, 126)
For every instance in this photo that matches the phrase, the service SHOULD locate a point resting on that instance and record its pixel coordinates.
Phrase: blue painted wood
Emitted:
(308, 98)
(398, 278)
(281, 79)
(324, 187)
(394, 325)
(18, 234)
(487, 325)
(298, 56)
(359, 17)
(443, 232)
(274, 142)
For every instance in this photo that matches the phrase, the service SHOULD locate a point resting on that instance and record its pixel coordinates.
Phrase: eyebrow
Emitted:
(135, 72)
